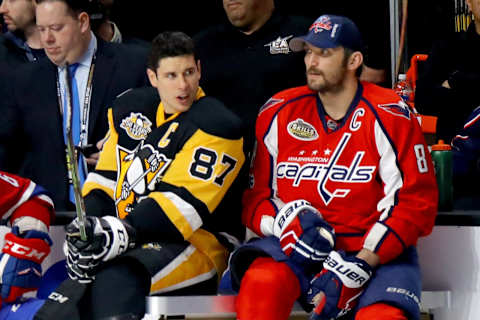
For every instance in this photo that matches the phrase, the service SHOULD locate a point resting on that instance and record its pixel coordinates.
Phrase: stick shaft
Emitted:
(72, 161)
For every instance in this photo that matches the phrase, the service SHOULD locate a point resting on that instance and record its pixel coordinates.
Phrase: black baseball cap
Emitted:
(330, 31)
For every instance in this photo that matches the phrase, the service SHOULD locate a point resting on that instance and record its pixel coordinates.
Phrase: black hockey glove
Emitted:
(107, 238)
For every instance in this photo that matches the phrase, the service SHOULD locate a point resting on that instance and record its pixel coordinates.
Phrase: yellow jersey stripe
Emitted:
(107, 160)
(188, 268)
(206, 243)
(182, 214)
(96, 181)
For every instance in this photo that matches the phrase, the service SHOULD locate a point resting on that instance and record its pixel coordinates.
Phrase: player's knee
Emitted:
(119, 289)
(267, 291)
(268, 273)
(122, 271)
(380, 311)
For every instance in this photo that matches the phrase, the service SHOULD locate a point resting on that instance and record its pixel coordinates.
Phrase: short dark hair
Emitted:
(74, 7)
(170, 44)
(347, 52)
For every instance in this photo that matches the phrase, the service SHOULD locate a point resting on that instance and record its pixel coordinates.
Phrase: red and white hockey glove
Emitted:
(336, 289)
(20, 262)
(304, 236)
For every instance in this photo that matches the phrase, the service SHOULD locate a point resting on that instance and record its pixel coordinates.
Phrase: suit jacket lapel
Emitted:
(102, 78)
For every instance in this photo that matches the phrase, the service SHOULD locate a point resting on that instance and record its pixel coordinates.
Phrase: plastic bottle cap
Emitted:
(441, 146)
(402, 76)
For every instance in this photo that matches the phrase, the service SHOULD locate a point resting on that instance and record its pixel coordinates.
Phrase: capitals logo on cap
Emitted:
(330, 31)
(321, 24)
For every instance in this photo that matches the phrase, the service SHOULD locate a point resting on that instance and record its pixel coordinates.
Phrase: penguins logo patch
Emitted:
(138, 172)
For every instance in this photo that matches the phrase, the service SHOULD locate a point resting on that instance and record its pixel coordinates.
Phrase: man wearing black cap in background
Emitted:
(341, 175)
(247, 59)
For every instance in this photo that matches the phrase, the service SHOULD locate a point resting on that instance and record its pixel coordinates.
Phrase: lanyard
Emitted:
(84, 120)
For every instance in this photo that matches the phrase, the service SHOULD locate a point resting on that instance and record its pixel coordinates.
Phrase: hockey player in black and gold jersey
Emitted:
(170, 156)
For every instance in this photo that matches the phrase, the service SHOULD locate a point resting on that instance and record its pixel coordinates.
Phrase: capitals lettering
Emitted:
(331, 171)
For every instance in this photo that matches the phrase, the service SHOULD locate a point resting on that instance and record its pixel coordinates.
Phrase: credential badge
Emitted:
(302, 130)
(137, 126)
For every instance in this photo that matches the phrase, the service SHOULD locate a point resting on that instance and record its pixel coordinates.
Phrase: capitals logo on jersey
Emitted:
(400, 109)
(329, 170)
(138, 172)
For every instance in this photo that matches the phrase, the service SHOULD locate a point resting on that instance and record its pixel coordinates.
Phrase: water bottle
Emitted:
(443, 159)
(403, 88)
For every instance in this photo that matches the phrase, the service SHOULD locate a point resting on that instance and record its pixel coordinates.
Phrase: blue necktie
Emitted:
(75, 126)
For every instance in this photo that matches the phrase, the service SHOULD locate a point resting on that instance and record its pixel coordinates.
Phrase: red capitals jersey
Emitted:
(370, 175)
(21, 197)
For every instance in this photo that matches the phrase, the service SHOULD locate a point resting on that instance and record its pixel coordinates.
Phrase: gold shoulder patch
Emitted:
(137, 126)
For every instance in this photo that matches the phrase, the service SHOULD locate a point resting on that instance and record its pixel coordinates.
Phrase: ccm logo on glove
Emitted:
(23, 250)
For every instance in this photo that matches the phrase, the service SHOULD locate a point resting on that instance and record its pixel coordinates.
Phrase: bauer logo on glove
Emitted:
(336, 289)
(304, 236)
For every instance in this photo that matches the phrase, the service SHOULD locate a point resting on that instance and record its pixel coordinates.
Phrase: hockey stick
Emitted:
(72, 161)
(62, 304)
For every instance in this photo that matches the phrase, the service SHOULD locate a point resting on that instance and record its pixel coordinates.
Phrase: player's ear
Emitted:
(152, 77)
(199, 67)
(355, 60)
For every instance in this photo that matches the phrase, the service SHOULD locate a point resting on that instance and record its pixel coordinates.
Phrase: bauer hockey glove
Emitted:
(336, 289)
(107, 238)
(20, 262)
(304, 236)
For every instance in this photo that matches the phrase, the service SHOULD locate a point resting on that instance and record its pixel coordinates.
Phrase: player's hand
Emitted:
(107, 238)
(304, 236)
(336, 289)
(20, 262)
(93, 159)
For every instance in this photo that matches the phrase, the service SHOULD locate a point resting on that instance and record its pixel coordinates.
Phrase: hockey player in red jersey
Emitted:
(341, 187)
(29, 211)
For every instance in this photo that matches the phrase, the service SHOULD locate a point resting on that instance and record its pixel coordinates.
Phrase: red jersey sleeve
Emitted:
(20, 197)
(409, 206)
(259, 200)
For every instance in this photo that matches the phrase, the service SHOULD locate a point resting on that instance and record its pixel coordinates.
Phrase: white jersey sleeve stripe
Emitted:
(375, 236)
(271, 143)
(186, 209)
(25, 196)
(101, 180)
(46, 198)
(388, 170)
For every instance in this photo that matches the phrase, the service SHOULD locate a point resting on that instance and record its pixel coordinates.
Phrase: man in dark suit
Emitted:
(32, 140)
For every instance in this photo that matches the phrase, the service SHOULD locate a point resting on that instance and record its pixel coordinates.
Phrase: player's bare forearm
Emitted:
(369, 257)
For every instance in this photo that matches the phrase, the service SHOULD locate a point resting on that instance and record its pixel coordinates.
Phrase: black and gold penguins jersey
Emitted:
(166, 174)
